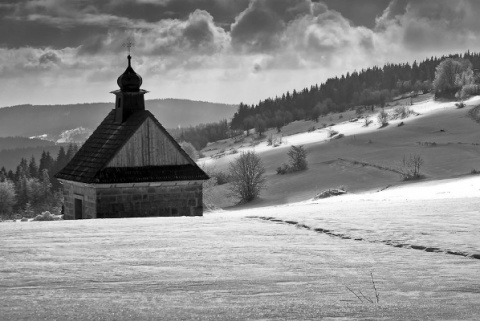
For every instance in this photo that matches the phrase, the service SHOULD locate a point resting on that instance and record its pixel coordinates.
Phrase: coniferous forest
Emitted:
(372, 86)
(31, 188)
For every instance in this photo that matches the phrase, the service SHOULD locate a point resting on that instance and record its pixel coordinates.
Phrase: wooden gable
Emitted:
(150, 145)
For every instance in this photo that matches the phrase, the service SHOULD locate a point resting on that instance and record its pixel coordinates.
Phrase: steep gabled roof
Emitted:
(89, 164)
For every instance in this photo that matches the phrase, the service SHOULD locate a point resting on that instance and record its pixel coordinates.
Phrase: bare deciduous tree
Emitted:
(247, 176)
(411, 167)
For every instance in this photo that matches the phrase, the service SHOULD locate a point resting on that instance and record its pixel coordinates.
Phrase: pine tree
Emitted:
(70, 152)
(33, 168)
(22, 192)
(10, 176)
(43, 162)
(22, 170)
(60, 161)
(3, 174)
(46, 184)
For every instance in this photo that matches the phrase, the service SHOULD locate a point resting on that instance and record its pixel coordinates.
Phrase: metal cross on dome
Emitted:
(129, 44)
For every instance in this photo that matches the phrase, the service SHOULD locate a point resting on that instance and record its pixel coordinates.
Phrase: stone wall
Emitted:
(168, 199)
(85, 193)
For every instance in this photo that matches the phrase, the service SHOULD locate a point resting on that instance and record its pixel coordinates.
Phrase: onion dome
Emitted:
(129, 81)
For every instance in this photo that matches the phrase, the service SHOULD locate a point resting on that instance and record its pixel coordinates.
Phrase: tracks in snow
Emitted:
(347, 237)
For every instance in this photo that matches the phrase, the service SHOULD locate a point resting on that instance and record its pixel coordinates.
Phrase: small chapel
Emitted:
(131, 166)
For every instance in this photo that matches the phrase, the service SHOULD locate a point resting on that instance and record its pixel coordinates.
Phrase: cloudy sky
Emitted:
(70, 51)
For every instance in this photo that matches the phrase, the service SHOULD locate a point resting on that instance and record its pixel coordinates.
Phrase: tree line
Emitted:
(31, 188)
(199, 136)
(371, 86)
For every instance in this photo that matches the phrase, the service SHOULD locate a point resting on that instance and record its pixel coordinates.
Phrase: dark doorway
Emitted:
(78, 209)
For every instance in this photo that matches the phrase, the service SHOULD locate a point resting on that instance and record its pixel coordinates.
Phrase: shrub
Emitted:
(297, 161)
(219, 176)
(274, 140)
(383, 118)
(367, 122)
(47, 216)
(311, 129)
(270, 140)
(469, 90)
(411, 167)
(298, 158)
(222, 177)
(401, 112)
(460, 104)
(284, 169)
(247, 176)
(474, 113)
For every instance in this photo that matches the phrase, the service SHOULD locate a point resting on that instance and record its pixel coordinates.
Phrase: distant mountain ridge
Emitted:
(22, 142)
(34, 120)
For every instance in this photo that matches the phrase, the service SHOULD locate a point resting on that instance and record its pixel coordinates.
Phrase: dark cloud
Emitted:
(395, 8)
(223, 11)
(261, 25)
(258, 30)
(361, 13)
(71, 23)
(198, 31)
(17, 33)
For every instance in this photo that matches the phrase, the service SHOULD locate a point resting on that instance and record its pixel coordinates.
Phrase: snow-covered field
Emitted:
(289, 262)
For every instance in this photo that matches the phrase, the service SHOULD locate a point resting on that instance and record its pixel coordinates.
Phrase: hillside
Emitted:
(34, 120)
(365, 158)
(372, 86)
(22, 142)
(10, 158)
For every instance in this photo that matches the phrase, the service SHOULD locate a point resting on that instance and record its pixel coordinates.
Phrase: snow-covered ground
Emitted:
(348, 128)
(289, 262)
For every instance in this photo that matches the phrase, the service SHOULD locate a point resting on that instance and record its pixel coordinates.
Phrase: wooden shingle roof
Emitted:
(89, 165)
